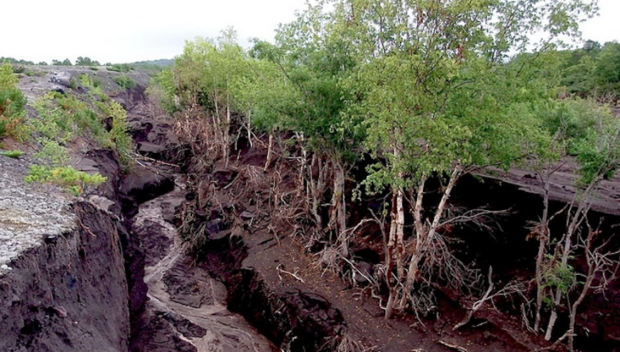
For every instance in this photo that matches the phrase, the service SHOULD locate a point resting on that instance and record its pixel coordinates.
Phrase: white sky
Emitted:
(134, 30)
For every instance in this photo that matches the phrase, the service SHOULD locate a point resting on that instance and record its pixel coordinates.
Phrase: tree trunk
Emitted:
(574, 223)
(339, 204)
(317, 189)
(400, 236)
(427, 239)
(269, 152)
(390, 256)
(419, 233)
(542, 246)
(250, 128)
(573, 312)
(226, 131)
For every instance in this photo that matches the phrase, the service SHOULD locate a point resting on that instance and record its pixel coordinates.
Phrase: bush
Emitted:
(122, 140)
(125, 82)
(63, 117)
(16, 154)
(67, 177)
(120, 67)
(12, 104)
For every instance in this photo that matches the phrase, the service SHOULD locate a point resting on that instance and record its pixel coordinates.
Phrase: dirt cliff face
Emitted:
(69, 294)
(70, 272)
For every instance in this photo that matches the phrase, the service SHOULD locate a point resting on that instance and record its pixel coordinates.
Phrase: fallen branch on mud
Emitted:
(511, 288)
(154, 161)
(294, 275)
(451, 346)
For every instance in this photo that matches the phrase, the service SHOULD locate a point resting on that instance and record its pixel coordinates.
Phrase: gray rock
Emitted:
(62, 78)
(101, 202)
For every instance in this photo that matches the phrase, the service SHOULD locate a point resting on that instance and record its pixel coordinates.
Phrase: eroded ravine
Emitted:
(191, 302)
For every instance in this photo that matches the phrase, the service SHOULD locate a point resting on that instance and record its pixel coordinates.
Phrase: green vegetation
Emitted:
(11, 60)
(593, 70)
(86, 61)
(64, 176)
(430, 90)
(12, 105)
(62, 118)
(65, 62)
(15, 154)
(120, 67)
(125, 82)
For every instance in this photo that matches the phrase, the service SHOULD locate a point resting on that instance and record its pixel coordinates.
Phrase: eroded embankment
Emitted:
(69, 294)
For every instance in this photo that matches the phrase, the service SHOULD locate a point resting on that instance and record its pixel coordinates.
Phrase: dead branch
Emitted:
(482, 218)
(511, 288)
(294, 274)
(451, 346)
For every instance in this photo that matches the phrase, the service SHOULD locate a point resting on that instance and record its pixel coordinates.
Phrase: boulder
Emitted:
(62, 78)
(142, 184)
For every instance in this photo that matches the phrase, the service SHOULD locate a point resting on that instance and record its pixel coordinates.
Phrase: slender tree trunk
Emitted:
(427, 239)
(269, 152)
(574, 223)
(303, 162)
(218, 134)
(316, 189)
(542, 246)
(419, 233)
(250, 128)
(390, 256)
(226, 131)
(339, 205)
(573, 312)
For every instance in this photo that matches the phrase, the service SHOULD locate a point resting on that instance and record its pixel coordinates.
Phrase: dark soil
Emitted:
(69, 294)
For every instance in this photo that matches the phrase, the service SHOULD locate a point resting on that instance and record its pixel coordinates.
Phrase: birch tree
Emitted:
(439, 100)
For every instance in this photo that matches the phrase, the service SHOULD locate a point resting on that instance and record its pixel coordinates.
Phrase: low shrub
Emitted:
(125, 82)
(66, 176)
(12, 104)
(120, 67)
(15, 154)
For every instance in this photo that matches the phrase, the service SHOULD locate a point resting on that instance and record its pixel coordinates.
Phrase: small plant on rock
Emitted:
(15, 154)
(66, 176)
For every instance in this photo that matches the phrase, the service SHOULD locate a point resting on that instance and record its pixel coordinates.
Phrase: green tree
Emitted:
(313, 58)
(86, 61)
(439, 101)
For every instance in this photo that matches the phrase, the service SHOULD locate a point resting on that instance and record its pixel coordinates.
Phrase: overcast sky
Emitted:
(134, 30)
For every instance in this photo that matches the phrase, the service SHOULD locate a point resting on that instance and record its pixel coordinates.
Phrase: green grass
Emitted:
(15, 154)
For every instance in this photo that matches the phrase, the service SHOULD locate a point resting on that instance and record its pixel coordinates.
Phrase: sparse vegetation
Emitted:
(64, 176)
(120, 67)
(61, 118)
(125, 82)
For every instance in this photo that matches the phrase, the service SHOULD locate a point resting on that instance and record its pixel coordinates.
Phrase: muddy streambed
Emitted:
(186, 308)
